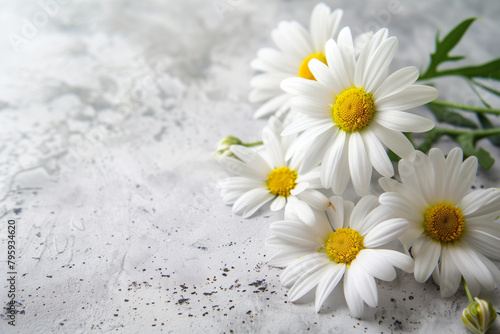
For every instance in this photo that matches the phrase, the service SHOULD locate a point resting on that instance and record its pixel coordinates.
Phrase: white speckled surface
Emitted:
(109, 112)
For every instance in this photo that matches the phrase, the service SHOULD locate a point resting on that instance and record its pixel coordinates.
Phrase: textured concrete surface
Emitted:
(109, 112)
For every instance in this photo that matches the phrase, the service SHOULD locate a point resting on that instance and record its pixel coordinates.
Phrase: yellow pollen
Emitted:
(444, 222)
(304, 71)
(281, 181)
(353, 109)
(343, 245)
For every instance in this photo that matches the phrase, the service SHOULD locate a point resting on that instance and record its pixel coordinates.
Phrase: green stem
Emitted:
(471, 85)
(483, 86)
(476, 109)
(471, 300)
(257, 143)
(478, 134)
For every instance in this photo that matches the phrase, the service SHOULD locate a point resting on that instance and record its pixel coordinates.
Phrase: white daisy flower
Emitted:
(451, 231)
(263, 175)
(296, 46)
(354, 109)
(342, 244)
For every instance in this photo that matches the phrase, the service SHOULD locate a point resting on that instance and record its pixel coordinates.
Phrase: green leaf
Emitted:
(393, 156)
(431, 137)
(467, 142)
(484, 158)
(452, 39)
(445, 115)
(486, 124)
(456, 58)
(490, 70)
(444, 47)
(487, 88)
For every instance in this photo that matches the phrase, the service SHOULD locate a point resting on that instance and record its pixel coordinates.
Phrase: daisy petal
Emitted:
(495, 272)
(472, 268)
(313, 155)
(328, 283)
(450, 276)
(394, 140)
(359, 164)
(375, 264)
(284, 37)
(485, 224)
(286, 257)
(278, 203)
(273, 59)
(331, 159)
(252, 158)
(374, 217)
(303, 210)
(333, 23)
(257, 95)
(312, 107)
(352, 297)
(452, 164)
(237, 167)
(403, 207)
(423, 175)
(365, 205)
(477, 199)
(492, 208)
(299, 188)
(305, 87)
(364, 56)
(427, 259)
(365, 285)
(410, 97)
(377, 154)
(312, 178)
(297, 233)
(281, 243)
(240, 183)
(403, 121)
(268, 81)
(396, 82)
(300, 37)
(299, 266)
(466, 176)
(315, 199)
(274, 147)
(305, 139)
(438, 166)
(318, 26)
(336, 65)
(397, 259)
(251, 201)
(336, 217)
(307, 281)
(323, 75)
(280, 102)
(379, 63)
(303, 124)
(483, 242)
(345, 43)
(385, 232)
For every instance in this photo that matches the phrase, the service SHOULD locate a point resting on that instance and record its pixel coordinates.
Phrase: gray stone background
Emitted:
(109, 112)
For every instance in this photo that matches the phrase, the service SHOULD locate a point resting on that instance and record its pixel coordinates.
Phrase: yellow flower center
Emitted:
(344, 245)
(281, 181)
(353, 109)
(304, 71)
(444, 222)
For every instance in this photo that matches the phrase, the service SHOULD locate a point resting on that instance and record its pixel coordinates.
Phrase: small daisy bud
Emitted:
(479, 316)
(224, 145)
